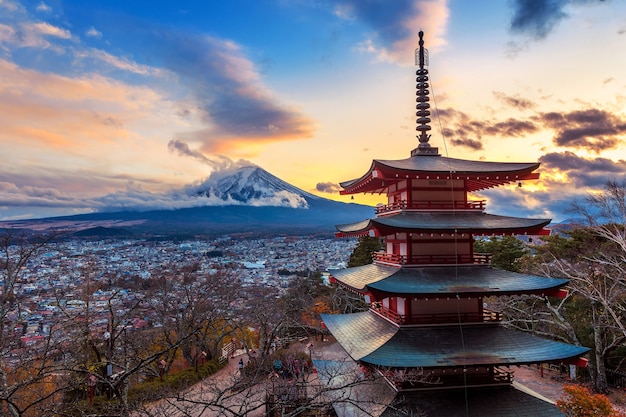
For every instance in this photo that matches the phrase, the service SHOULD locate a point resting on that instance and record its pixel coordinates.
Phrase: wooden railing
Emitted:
(431, 205)
(395, 259)
(437, 318)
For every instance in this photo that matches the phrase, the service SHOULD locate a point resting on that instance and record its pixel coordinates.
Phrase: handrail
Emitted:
(431, 205)
(396, 259)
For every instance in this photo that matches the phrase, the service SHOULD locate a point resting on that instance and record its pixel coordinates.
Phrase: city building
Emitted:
(427, 333)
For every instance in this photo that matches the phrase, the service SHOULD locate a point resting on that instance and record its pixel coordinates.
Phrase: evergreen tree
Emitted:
(362, 254)
(505, 251)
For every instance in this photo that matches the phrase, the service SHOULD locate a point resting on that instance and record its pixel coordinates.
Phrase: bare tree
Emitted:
(593, 258)
(259, 390)
(107, 346)
(29, 371)
(197, 311)
(269, 314)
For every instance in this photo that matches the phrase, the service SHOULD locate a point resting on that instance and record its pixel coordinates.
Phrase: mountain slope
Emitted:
(252, 186)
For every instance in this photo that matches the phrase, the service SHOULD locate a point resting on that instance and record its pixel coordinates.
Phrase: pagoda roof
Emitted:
(459, 222)
(442, 281)
(374, 397)
(369, 338)
(497, 401)
(479, 175)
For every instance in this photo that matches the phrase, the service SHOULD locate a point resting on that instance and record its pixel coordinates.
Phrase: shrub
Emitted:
(579, 402)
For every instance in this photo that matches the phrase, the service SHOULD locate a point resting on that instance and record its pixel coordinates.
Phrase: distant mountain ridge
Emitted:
(250, 200)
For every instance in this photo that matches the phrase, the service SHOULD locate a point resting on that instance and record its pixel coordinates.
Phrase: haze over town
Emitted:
(124, 104)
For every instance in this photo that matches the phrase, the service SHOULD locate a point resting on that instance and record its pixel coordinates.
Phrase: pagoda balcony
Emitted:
(403, 205)
(420, 260)
(436, 318)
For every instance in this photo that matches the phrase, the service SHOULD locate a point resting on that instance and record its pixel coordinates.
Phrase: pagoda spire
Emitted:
(422, 99)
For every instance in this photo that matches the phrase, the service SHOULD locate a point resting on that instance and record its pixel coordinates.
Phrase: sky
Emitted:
(108, 105)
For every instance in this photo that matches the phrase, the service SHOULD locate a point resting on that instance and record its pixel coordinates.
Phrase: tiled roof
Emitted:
(502, 401)
(445, 165)
(442, 281)
(478, 174)
(359, 334)
(373, 397)
(460, 222)
(370, 338)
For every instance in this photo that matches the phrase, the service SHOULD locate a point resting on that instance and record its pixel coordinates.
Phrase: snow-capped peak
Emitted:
(252, 185)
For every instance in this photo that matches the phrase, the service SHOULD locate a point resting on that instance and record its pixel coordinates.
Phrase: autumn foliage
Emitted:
(578, 401)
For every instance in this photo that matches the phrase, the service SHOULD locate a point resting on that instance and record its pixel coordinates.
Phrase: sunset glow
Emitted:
(106, 101)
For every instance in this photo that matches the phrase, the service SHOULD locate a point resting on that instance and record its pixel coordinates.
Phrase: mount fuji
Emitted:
(246, 200)
(252, 185)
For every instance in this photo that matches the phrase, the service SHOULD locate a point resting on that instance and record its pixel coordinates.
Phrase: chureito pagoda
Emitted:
(427, 338)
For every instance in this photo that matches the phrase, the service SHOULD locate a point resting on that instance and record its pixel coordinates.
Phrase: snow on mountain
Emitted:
(253, 186)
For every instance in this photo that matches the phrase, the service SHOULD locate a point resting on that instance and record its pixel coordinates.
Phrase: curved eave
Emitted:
(468, 281)
(485, 401)
(415, 222)
(478, 175)
(374, 397)
(369, 338)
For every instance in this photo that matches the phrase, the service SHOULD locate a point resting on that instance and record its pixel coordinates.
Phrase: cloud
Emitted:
(33, 35)
(537, 18)
(92, 32)
(43, 7)
(511, 128)
(328, 187)
(9, 6)
(514, 101)
(396, 24)
(120, 63)
(582, 173)
(46, 29)
(462, 130)
(591, 129)
(234, 110)
(468, 143)
(218, 163)
(235, 106)
(565, 179)
(68, 114)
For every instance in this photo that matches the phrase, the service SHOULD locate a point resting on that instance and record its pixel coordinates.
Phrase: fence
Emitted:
(616, 379)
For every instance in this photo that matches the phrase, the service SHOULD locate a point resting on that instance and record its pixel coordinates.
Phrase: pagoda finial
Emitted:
(421, 60)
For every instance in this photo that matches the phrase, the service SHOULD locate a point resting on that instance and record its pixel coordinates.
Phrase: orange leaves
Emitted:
(578, 401)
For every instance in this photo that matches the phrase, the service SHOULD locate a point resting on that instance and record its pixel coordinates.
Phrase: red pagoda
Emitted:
(428, 333)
